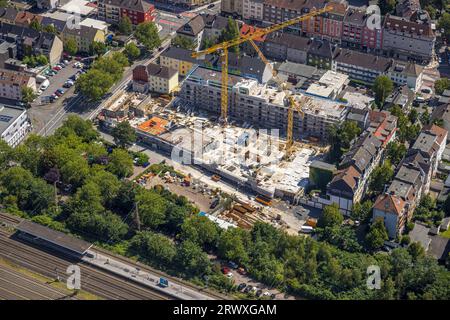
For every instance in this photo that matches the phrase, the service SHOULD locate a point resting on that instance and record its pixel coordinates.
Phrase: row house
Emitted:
(31, 42)
(408, 39)
(412, 180)
(360, 66)
(252, 10)
(12, 83)
(138, 11)
(350, 184)
(232, 8)
(155, 78)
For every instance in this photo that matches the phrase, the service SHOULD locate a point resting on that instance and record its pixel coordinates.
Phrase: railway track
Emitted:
(94, 281)
(144, 267)
(9, 218)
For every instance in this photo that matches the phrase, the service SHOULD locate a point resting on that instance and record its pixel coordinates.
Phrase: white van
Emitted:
(44, 85)
(306, 229)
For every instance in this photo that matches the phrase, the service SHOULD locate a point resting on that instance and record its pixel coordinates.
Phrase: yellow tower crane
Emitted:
(258, 33)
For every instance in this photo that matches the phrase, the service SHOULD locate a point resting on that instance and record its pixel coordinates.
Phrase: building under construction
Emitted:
(260, 105)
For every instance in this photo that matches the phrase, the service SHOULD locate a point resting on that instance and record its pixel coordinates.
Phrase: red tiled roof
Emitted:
(246, 29)
(390, 203)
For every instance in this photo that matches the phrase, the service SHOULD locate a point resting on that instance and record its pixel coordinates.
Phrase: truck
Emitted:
(163, 282)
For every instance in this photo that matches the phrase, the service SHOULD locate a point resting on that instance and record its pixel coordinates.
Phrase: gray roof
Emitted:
(400, 188)
(193, 27)
(299, 69)
(160, 71)
(424, 142)
(58, 24)
(408, 174)
(439, 247)
(364, 60)
(289, 40)
(244, 65)
(355, 17)
(55, 237)
(180, 54)
(206, 74)
(322, 48)
(323, 165)
(9, 114)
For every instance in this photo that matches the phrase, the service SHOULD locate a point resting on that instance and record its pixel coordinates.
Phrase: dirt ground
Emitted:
(202, 201)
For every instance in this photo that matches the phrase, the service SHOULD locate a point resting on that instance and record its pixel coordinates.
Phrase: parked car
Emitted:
(211, 6)
(272, 296)
(266, 294)
(242, 286)
(60, 90)
(57, 68)
(225, 270)
(230, 275)
(259, 293)
(241, 271)
(233, 264)
(247, 289)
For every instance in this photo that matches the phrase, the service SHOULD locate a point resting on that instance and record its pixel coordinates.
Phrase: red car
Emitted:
(57, 68)
(225, 270)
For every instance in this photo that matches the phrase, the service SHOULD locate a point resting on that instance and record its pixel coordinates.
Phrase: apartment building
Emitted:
(285, 46)
(178, 59)
(139, 11)
(253, 10)
(360, 66)
(353, 25)
(406, 73)
(332, 23)
(412, 180)
(29, 41)
(408, 39)
(193, 30)
(214, 25)
(12, 82)
(14, 124)
(232, 8)
(260, 105)
(351, 182)
(155, 78)
(84, 37)
(8, 15)
(320, 53)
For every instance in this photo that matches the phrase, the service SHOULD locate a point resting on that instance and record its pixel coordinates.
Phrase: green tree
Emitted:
(377, 235)
(71, 46)
(386, 6)
(340, 138)
(41, 60)
(125, 25)
(380, 176)
(155, 247)
(132, 51)
(94, 84)
(382, 88)
(395, 152)
(50, 28)
(152, 208)
(416, 251)
(440, 85)
(192, 260)
(124, 134)
(444, 23)
(98, 48)
(208, 42)
(183, 42)
(230, 32)
(35, 25)
(28, 95)
(232, 245)
(413, 115)
(445, 206)
(362, 211)
(200, 230)
(120, 163)
(331, 216)
(80, 127)
(147, 34)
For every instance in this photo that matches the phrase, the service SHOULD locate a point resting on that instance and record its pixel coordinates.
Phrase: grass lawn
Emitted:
(446, 234)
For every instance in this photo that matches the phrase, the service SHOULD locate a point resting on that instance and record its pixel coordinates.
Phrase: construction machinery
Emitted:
(223, 48)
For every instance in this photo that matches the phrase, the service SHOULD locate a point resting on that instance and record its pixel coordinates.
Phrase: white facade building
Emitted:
(14, 124)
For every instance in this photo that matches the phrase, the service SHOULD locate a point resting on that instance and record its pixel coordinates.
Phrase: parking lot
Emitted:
(56, 82)
(40, 113)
